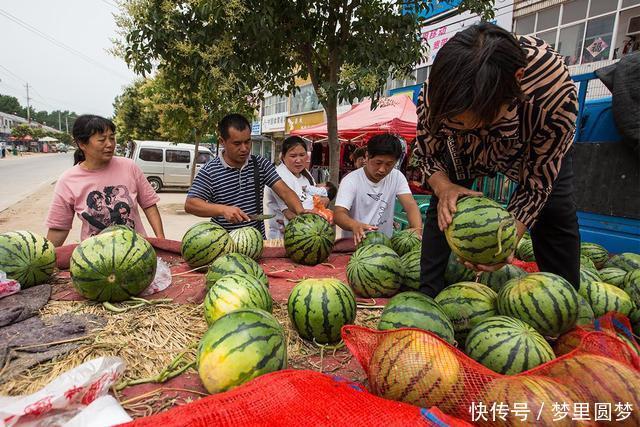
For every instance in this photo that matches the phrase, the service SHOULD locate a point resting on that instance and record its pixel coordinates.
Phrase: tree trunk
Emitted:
(331, 110)
(196, 137)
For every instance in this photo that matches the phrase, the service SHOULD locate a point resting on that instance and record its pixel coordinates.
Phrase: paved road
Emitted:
(22, 176)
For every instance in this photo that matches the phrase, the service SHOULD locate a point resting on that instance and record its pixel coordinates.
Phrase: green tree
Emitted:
(11, 105)
(348, 48)
(135, 114)
(20, 131)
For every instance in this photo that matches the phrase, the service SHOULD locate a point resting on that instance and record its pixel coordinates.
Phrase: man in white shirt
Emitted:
(366, 196)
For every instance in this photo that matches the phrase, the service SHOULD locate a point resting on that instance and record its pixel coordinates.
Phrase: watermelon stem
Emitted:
(171, 371)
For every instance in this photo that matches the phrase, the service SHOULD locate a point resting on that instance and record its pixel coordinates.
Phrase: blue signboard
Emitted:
(436, 7)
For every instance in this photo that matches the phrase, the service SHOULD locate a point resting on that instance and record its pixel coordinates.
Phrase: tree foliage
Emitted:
(228, 49)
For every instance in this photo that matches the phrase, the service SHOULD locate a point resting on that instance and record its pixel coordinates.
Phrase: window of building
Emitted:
(422, 74)
(581, 30)
(305, 100)
(275, 104)
(151, 154)
(178, 156)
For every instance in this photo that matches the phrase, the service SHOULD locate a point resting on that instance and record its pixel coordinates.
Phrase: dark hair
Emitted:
(475, 72)
(358, 152)
(237, 121)
(384, 144)
(90, 198)
(292, 142)
(332, 190)
(84, 128)
(121, 205)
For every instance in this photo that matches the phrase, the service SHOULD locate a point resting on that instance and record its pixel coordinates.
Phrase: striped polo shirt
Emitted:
(527, 145)
(219, 183)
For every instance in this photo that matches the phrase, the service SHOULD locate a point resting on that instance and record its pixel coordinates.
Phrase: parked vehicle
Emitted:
(62, 147)
(167, 164)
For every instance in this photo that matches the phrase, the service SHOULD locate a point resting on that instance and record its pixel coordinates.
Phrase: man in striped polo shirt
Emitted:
(230, 187)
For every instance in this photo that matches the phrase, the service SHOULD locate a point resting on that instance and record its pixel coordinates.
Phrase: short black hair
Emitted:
(475, 72)
(384, 144)
(91, 203)
(358, 152)
(237, 121)
(292, 142)
(84, 128)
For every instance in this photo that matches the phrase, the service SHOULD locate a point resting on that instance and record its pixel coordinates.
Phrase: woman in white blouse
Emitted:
(293, 172)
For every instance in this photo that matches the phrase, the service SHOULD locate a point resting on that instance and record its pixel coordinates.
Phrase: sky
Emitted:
(59, 47)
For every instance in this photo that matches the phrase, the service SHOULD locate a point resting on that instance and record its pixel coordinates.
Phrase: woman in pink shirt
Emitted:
(101, 189)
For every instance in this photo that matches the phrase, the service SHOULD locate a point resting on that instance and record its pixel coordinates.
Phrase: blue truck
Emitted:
(607, 179)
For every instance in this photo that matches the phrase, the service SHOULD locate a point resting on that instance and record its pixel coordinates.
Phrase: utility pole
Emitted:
(66, 122)
(59, 122)
(28, 105)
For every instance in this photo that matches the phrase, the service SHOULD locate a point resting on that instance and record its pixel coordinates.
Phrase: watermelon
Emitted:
(524, 252)
(466, 304)
(603, 297)
(496, 279)
(507, 345)
(115, 227)
(26, 257)
(631, 285)
(416, 310)
(634, 318)
(247, 241)
(319, 308)
(588, 276)
(233, 292)
(309, 239)
(627, 261)
(416, 368)
(596, 253)
(585, 312)
(405, 241)
(411, 268)
(612, 275)
(234, 263)
(113, 266)
(537, 395)
(586, 263)
(203, 243)
(481, 231)
(545, 301)
(375, 238)
(375, 271)
(239, 347)
(600, 379)
(456, 272)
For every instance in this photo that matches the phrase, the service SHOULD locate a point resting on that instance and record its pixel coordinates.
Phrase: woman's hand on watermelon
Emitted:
(359, 230)
(448, 194)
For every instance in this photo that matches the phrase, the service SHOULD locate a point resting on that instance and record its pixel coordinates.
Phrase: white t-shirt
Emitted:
(275, 205)
(372, 203)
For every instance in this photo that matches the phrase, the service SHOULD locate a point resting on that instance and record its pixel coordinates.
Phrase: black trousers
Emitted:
(555, 236)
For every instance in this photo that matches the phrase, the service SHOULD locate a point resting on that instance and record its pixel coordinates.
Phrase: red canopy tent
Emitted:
(396, 114)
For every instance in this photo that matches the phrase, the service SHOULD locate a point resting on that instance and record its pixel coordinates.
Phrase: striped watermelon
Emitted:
(603, 297)
(524, 251)
(405, 241)
(309, 239)
(634, 318)
(411, 268)
(233, 292)
(631, 285)
(203, 243)
(239, 347)
(585, 312)
(585, 262)
(456, 272)
(115, 227)
(572, 340)
(497, 279)
(319, 308)
(234, 263)
(247, 241)
(416, 368)
(601, 379)
(612, 275)
(507, 345)
(481, 231)
(375, 238)
(26, 257)
(627, 261)
(545, 301)
(466, 304)
(538, 396)
(596, 253)
(375, 271)
(416, 310)
(113, 266)
(588, 276)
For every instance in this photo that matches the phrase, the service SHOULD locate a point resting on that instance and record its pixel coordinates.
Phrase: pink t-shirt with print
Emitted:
(101, 198)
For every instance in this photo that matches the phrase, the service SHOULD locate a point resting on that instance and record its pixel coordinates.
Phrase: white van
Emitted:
(166, 164)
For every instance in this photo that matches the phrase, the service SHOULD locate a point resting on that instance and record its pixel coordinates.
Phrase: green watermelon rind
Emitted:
(235, 291)
(309, 239)
(375, 271)
(247, 241)
(231, 263)
(27, 257)
(203, 243)
(411, 269)
(405, 241)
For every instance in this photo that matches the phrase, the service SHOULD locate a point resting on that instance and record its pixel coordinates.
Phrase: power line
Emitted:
(60, 44)
(12, 74)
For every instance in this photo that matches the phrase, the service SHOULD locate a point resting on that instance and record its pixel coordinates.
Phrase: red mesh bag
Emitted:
(294, 398)
(417, 367)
